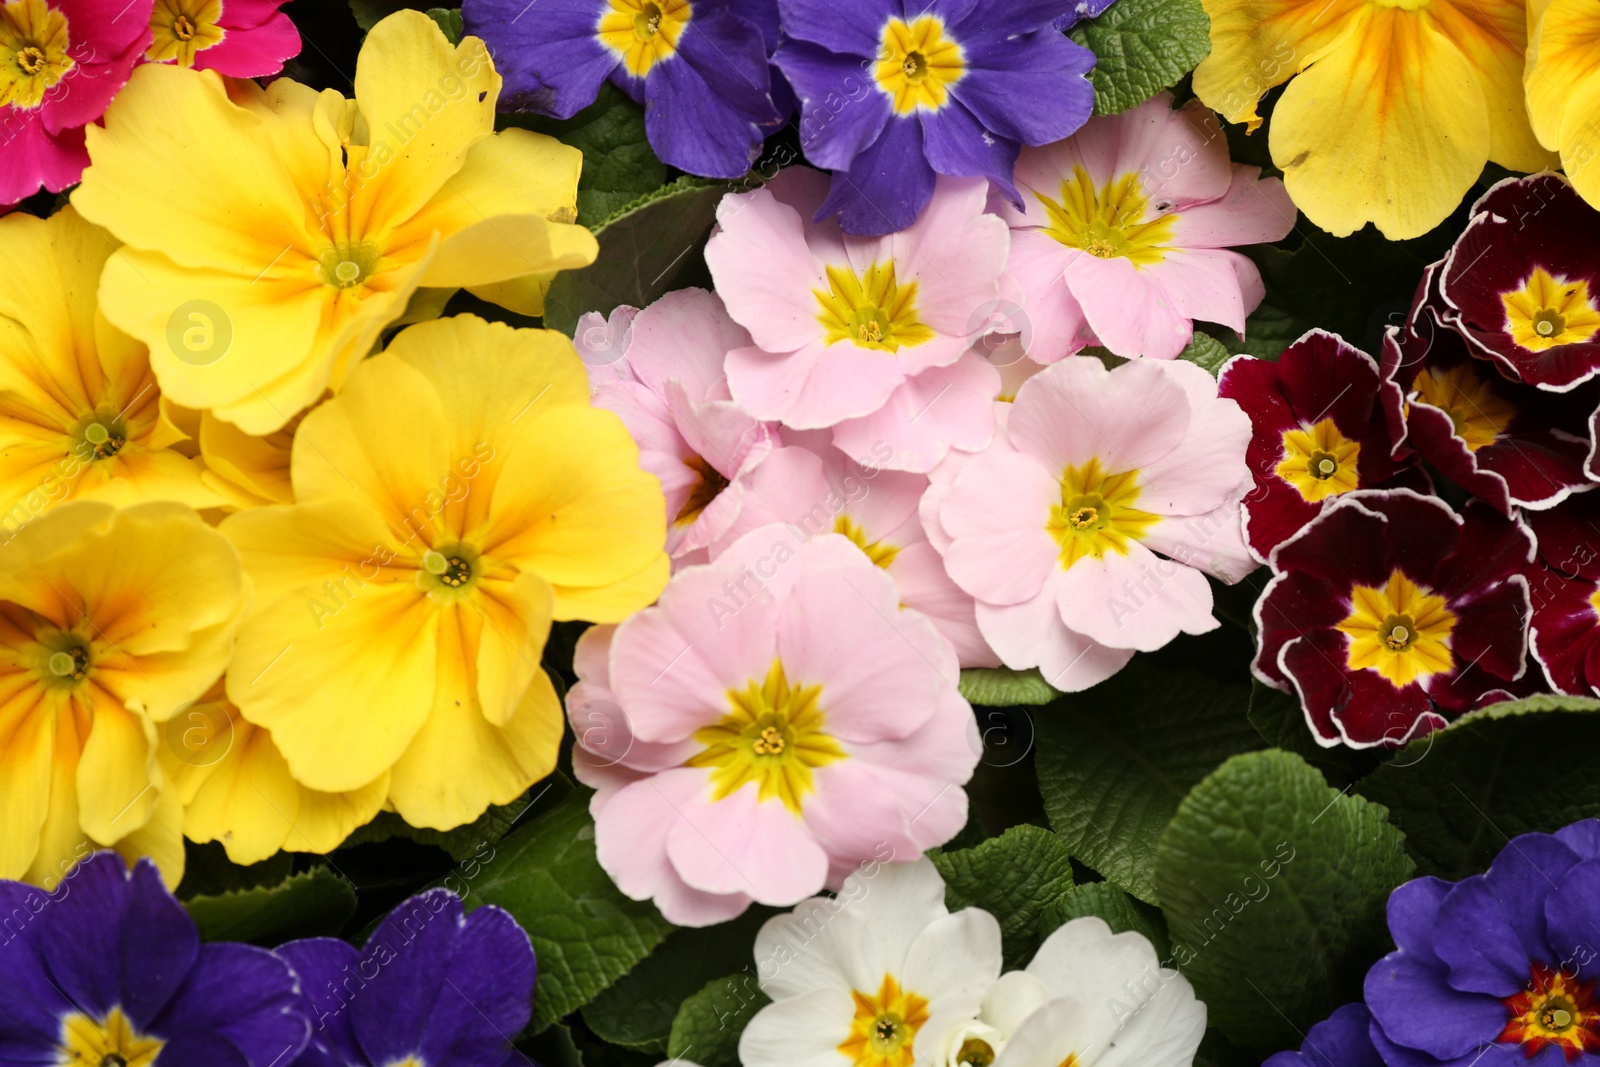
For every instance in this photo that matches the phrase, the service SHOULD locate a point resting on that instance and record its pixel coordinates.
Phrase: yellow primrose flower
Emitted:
(247, 471)
(111, 622)
(456, 496)
(1562, 81)
(272, 234)
(1396, 107)
(80, 413)
(236, 788)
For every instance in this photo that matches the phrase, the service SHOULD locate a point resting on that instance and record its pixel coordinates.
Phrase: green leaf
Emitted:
(207, 871)
(639, 1010)
(1114, 762)
(618, 164)
(449, 20)
(464, 842)
(1207, 352)
(708, 1025)
(553, 1048)
(1281, 722)
(1142, 47)
(585, 932)
(1014, 877)
(369, 13)
(1461, 792)
(998, 687)
(1119, 910)
(1274, 885)
(646, 249)
(1269, 330)
(314, 903)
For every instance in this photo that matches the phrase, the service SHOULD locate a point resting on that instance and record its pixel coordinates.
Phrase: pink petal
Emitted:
(1031, 634)
(1138, 601)
(764, 270)
(996, 514)
(740, 845)
(927, 415)
(1253, 211)
(1127, 308)
(1076, 411)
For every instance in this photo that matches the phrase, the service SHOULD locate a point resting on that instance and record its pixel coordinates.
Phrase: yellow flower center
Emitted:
(773, 736)
(704, 492)
(108, 1042)
(99, 436)
(179, 29)
(917, 64)
(347, 264)
(1549, 311)
(1097, 514)
(884, 1030)
(33, 52)
(450, 571)
(1479, 413)
(1111, 222)
(643, 32)
(870, 310)
(1319, 461)
(975, 1052)
(877, 551)
(60, 658)
(1401, 630)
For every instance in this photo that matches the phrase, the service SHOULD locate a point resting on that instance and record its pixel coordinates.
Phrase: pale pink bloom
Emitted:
(869, 336)
(1084, 529)
(815, 489)
(774, 720)
(1124, 233)
(668, 388)
(602, 342)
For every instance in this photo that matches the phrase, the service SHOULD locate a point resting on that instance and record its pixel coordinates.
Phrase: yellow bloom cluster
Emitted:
(1395, 106)
(258, 579)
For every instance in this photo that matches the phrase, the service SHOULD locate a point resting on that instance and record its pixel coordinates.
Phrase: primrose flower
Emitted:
(109, 969)
(783, 718)
(452, 500)
(814, 488)
(432, 986)
(1507, 443)
(868, 336)
(244, 470)
(1502, 959)
(1389, 613)
(117, 621)
(699, 67)
(84, 418)
(875, 977)
(61, 62)
(319, 218)
(1320, 431)
(1055, 528)
(675, 402)
(1516, 287)
(894, 93)
(235, 787)
(1563, 88)
(1343, 1039)
(238, 38)
(1122, 232)
(1071, 1005)
(1564, 584)
(1393, 110)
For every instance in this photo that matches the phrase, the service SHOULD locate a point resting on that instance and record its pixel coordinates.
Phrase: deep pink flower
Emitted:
(1319, 432)
(1126, 227)
(774, 720)
(1564, 583)
(61, 62)
(1390, 613)
(238, 38)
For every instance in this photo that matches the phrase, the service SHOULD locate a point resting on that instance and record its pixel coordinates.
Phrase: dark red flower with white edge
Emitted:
(1390, 614)
(1564, 584)
(1508, 444)
(1318, 432)
(1522, 283)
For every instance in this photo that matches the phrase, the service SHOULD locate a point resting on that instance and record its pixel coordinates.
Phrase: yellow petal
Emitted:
(257, 465)
(60, 841)
(1580, 141)
(160, 840)
(459, 764)
(335, 547)
(1390, 128)
(424, 104)
(1491, 34)
(614, 602)
(326, 819)
(507, 247)
(249, 802)
(515, 172)
(118, 779)
(507, 623)
(1257, 44)
(1563, 61)
(27, 752)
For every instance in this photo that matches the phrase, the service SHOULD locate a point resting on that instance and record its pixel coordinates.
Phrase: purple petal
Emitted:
(886, 187)
(1083, 9)
(80, 942)
(208, 1049)
(330, 973)
(957, 144)
(1583, 837)
(1414, 1005)
(244, 995)
(706, 105)
(1572, 915)
(852, 29)
(1340, 1040)
(412, 949)
(1413, 909)
(549, 56)
(159, 945)
(1029, 88)
(487, 997)
(842, 110)
(29, 1003)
